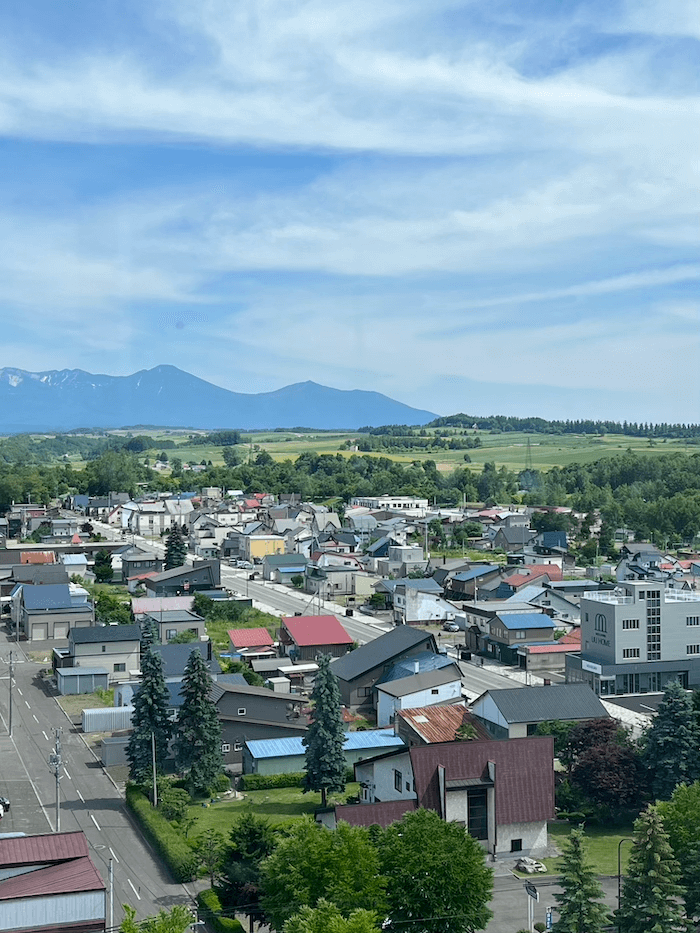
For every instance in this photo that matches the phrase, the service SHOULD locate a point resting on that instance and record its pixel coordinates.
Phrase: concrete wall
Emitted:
(379, 775)
(388, 705)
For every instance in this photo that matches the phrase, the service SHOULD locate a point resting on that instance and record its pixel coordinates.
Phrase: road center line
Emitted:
(65, 771)
(34, 717)
(95, 822)
(27, 705)
(80, 795)
(45, 735)
(133, 888)
(20, 692)
(113, 855)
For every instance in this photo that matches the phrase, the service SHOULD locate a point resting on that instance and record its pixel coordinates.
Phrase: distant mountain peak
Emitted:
(61, 400)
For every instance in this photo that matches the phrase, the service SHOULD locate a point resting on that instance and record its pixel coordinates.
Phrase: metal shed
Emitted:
(74, 680)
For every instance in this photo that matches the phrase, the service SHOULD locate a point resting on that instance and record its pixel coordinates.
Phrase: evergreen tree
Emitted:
(579, 907)
(103, 566)
(150, 719)
(325, 738)
(198, 740)
(671, 743)
(651, 893)
(175, 549)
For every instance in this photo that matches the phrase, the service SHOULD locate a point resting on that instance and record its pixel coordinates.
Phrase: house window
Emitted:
(225, 748)
(170, 633)
(520, 634)
(119, 668)
(434, 692)
(398, 781)
(408, 786)
(104, 648)
(692, 620)
(516, 845)
(477, 819)
(642, 594)
(241, 711)
(630, 623)
(237, 746)
(630, 652)
(364, 692)
(692, 649)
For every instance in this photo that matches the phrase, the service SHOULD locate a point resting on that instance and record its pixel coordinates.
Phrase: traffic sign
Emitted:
(532, 891)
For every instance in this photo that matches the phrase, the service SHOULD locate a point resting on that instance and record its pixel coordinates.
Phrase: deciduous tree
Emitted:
(325, 737)
(681, 819)
(439, 881)
(326, 918)
(580, 907)
(252, 840)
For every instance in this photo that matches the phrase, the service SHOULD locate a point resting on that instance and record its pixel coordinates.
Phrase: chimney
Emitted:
(416, 666)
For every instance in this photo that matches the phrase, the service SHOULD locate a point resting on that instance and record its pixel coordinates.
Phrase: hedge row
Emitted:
(270, 781)
(167, 841)
(210, 907)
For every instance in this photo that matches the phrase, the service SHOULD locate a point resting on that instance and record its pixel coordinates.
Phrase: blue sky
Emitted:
(481, 206)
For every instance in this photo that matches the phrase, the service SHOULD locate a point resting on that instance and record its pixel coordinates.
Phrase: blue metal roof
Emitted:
(48, 596)
(475, 573)
(354, 741)
(427, 661)
(524, 620)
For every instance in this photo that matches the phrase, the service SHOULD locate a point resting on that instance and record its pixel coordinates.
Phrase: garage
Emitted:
(40, 631)
(60, 629)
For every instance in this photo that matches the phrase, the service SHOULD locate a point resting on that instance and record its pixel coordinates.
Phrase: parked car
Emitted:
(450, 627)
(244, 565)
(4, 803)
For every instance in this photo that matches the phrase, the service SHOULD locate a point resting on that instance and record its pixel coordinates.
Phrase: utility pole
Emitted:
(55, 764)
(12, 674)
(153, 760)
(111, 895)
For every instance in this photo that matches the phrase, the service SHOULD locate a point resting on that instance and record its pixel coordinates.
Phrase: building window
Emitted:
(398, 781)
(516, 845)
(692, 649)
(237, 746)
(225, 748)
(241, 711)
(408, 786)
(630, 652)
(119, 668)
(642, 594)
(104, 648)
(692, 620)
(520, 634)
(364, 692)
(434, 692)
(630, 623)
(477, 820)
(170, 633)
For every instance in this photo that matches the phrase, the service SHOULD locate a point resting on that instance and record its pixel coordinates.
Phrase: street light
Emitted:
(619, 873)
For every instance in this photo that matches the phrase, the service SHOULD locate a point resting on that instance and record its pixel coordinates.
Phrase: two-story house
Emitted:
(116, 648)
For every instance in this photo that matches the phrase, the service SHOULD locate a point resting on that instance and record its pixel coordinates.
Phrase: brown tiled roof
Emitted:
(72, 876)
(37, 557)
(50, 847)
(370, 814)
(524, 776)
(440, 723)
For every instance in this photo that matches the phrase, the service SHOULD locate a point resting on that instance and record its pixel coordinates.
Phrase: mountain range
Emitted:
(165, 396)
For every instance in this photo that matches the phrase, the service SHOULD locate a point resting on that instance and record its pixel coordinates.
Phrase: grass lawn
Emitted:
(278, 805)
(601, 845)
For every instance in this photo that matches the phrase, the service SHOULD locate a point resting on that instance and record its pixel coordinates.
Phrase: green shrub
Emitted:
(220, 784)
(210, 910)
(172, 847)
(269, 781)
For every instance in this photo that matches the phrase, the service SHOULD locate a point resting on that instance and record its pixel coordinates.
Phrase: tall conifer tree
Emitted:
(198, 729)
(325, 739)
(175, 549)
(580, 910)
(150, 719)
(671, 743)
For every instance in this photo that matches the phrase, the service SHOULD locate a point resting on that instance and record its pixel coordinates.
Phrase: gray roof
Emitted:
(40, 573)
(407, 685)
(175, 657)
(48, 596)
(219, 689)
(538, 704)
(390, 645)
(284, 560)
(99, 633)
(427, 661)
(475, 572)
(173, 615)
(422, 584)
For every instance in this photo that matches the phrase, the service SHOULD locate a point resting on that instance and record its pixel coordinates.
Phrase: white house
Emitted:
(440, 686)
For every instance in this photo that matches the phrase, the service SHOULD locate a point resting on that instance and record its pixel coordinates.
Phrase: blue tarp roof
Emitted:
(517, 620)
(354, 741)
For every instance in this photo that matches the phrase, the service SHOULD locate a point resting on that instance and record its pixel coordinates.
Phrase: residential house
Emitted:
(251, 642)
(508, 631)
(180, 581)
(514, 582)
(288, 755)
(637, 638)
(389, 589)
(427, 725)
(501, 792)
(248, 713)
(549, 657)
(304, 638)
(136, 562)
(640, 562)
(433, 687)
(75, 564)
(114, 648)
(513, 713)
(51, 610)
(170, 623)
(359, 671)
(513, 538)
(281, 568)
(401, 560)
(49, 883)
(465, 584)
(255, 547)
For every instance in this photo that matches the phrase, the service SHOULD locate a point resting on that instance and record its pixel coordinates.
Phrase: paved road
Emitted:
(88, 799)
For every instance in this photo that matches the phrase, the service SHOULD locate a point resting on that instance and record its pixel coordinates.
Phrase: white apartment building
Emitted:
(636, 638)
(409, 505)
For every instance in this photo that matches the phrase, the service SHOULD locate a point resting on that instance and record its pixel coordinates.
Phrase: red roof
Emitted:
(316, 630)
(524, 774)
(250, 638)
(78, 874)
(76, 539)
(533, 572)
(37, 557)
(50, 847)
